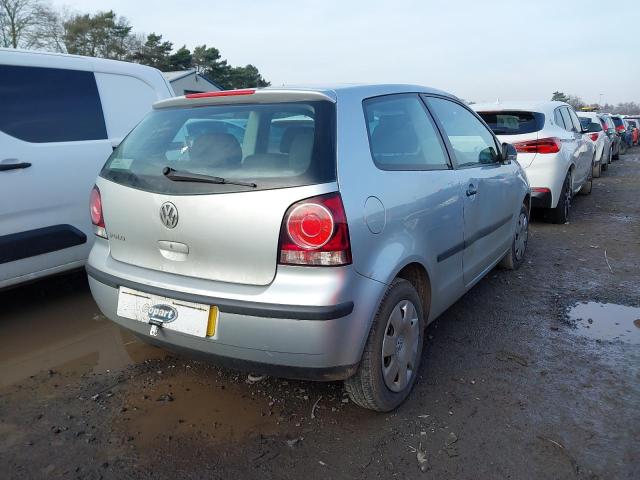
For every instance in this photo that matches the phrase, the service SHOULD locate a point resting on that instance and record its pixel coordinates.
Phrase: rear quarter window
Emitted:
(43, 105)
(513, 122)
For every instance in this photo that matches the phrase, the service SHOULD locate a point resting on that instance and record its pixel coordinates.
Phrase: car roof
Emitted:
(34, 58)
(330, 92)
(526, 106)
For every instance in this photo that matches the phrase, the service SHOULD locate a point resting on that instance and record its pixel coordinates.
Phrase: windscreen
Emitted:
(513, 122)
(270, 145)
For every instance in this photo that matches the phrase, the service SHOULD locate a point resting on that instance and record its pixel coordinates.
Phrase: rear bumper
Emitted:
(547, 171)
(318, 334)
(540, 199)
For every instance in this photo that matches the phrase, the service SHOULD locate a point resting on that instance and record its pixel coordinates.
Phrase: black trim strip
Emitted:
(254, 309)
(17, 246)
(5, 167)
(474, 238)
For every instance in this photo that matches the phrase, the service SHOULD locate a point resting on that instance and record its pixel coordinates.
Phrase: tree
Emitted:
(29, 24)
(181, 59)
(559, 97)
(245, 77)
(154, 52)
(104, 35)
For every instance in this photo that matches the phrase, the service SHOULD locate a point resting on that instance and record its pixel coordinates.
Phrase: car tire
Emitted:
(596, 170)
(605, 165)
(623, 148)
(588, 185)
(560, 214)
(515, 257)
(372, 387)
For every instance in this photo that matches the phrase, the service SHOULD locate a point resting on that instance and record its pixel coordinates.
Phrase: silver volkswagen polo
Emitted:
(304, 232)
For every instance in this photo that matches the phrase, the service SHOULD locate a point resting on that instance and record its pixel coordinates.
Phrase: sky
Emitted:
(479, 50)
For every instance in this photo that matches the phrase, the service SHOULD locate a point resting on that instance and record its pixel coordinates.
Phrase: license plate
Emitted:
(185, 317)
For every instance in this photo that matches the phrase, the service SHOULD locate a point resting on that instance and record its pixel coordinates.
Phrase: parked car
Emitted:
(60, 118)
(621, 131)
(593, 124)
(632, 131)
(551, 147)
(610, 129)
(325, 259)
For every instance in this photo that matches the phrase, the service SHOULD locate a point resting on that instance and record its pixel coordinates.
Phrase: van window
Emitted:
(402, 136)
(50, 105)
(513, 122)
(472, 142)
(272, 145)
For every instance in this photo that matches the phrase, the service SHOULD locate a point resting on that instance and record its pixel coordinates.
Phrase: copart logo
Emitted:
(169, 215)
(162, 313)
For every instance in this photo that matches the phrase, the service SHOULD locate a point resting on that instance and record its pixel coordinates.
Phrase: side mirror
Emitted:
(584, 129)
(509, 153)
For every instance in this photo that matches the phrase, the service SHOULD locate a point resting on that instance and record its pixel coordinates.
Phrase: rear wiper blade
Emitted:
(182, 176)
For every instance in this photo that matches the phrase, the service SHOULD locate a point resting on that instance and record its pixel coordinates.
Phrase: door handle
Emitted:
(472, 190)
(13, 166)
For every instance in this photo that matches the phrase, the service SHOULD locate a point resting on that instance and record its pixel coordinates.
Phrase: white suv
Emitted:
(552, 147)
(60, 118)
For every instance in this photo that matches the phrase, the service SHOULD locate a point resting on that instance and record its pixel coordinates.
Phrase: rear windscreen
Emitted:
(271, 145)
(617, 121)
(513, 122)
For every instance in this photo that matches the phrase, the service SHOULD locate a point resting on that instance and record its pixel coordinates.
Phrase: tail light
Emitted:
(620, 128)
(604, 126)
(543, 145)
(315, 232)
(95, 208)
(594, 136)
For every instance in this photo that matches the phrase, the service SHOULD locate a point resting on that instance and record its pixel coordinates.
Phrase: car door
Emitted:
(585, 148)
(489, 187)
(410, 173)
(571, 143)
(53, 143)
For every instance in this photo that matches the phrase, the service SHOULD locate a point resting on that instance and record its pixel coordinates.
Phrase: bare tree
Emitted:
(30, 24)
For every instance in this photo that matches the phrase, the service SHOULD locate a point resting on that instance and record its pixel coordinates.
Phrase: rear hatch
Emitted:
(272, 154)
(516, 126)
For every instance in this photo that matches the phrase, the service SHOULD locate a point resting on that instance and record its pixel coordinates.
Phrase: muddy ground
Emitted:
(515, 383)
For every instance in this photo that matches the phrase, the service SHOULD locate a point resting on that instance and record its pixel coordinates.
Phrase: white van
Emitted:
(60, 118)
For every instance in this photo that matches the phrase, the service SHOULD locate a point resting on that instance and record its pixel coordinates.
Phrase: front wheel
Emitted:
(515, 257)
(392, 354)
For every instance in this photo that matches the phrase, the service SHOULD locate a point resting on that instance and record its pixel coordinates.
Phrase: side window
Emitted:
(558, 119)
(574, 119)
(472, 142)
(568, 125)
(402, 136)
(50, 105)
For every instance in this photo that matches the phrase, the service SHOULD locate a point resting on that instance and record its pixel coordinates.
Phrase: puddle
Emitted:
(183, 406)
(55, 325)
(607, 321)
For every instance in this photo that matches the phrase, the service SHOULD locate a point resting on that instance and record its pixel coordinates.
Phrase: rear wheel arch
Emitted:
(417, 274)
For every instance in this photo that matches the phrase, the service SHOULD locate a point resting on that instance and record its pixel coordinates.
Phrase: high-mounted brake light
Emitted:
(543, 145)
(315, 232)
(95, 209)
(222, 93)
